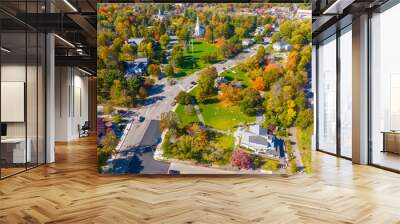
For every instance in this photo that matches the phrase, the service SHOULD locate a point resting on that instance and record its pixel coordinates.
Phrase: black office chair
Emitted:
(84, 130)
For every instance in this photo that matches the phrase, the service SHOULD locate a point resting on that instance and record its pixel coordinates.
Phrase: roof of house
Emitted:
(258, 140)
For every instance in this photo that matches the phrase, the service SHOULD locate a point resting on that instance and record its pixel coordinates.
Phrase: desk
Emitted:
(13, 150)
(391, 141)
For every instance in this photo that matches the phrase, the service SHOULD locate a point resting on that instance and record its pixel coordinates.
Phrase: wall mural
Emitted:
(204, 88)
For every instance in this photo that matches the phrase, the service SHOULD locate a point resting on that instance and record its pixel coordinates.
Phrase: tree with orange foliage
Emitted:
(199, 135)
(258, 84)
(229, 95)
(220, 42)
(292, 60)
(271, 74)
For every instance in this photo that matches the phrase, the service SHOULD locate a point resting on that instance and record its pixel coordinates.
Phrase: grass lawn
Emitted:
(304, 139)
(185, 117)
(269, 164)
(225, 143)
(236, 73)
(199, 49)
(223, 118)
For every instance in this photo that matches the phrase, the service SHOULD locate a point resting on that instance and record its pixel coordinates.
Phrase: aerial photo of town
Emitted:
(204, 88)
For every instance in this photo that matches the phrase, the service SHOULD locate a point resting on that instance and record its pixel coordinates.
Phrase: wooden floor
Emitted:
(70, 191)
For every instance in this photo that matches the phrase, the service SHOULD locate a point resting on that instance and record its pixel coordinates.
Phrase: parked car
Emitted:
(173, 103)
(121, 111)
(193, 82)
(174, 172)
(141, 118)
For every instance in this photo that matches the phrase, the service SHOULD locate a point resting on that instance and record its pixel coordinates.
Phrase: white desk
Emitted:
(19, 155)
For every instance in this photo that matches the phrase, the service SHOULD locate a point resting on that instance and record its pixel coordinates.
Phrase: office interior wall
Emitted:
(71, 102)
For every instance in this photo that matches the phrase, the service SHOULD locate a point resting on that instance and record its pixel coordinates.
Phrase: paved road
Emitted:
(136, 161)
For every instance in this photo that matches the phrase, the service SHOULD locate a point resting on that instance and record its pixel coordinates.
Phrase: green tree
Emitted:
(105, 79)
(169, 70)
(177, 55)
(164, 40)
(133, 85)
(251, 101)
(169, 120)
(304, 118)
(109, 143)
(184, 98)
(209, 35)
(118, 94)
(128, 53)
(240, 32)
(258, 38)
(183, 33)
(206, 83)
(154, 70)
(117, 119)
(260, 55)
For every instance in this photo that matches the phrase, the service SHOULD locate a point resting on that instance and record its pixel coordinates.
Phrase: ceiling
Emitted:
(329, 14)
(74, 22)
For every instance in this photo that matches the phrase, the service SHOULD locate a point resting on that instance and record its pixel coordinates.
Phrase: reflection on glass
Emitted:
(14, 153)
(346, 93)
(385, 89)
(327, 96)
(31, 98)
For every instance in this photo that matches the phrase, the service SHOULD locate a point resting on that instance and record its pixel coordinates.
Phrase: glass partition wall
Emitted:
(334, 94)
(22, 77)
(345, 90)
(327, 95)
(385, 89)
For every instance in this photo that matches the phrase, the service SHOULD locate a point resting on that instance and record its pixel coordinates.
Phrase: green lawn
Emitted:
(225, 142)
(185, 117)
(223, 118)
(271, 165)
(236, 73)
(199, 49)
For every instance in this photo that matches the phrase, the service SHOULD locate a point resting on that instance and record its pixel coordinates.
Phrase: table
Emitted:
(13, 150)
(391, 141)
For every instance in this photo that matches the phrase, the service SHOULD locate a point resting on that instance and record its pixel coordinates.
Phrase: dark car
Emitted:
(141, 118)
(193, 82)
(174, 172)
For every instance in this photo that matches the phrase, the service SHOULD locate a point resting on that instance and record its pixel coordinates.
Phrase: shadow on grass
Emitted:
(210, 100)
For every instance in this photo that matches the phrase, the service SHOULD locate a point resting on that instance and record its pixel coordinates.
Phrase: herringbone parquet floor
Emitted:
(70, 191)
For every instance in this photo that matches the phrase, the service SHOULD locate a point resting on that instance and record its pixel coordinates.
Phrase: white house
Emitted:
(160, 15)
(255, 138)
(281, 46)
(247, 42)
(259, 30)
(219, 80)
(135, 68)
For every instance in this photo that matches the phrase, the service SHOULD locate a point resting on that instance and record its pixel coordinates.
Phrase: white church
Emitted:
(198, 29)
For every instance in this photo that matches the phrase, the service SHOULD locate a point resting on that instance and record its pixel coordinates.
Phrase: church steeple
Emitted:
(197, 28)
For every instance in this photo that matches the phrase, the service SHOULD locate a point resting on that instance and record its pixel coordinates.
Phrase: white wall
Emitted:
(71, 102)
